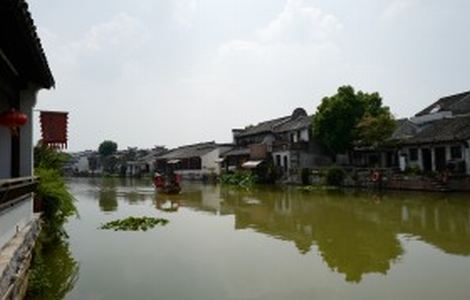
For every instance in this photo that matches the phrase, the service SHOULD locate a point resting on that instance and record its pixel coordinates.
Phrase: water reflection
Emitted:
(355, 233)
(60, 271)
(108, 195)
(166, 204)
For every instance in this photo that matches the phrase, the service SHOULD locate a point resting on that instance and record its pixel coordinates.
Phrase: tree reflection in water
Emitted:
(355, 233)
(108, 195)
(59, 271)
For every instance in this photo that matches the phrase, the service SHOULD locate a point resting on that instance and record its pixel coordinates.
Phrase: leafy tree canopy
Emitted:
(337, 117)
(374, 131)
(107, 148)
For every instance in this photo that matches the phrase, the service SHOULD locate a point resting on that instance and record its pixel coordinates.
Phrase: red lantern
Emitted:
(13, 119)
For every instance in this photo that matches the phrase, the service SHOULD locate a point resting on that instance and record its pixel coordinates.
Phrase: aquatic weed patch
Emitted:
(134, 224)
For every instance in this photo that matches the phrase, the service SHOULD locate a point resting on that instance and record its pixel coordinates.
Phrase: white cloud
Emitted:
(397, 8)
(184, 12)
(299, 32)
(302, 23)
(241, 46)
(282, 65)
(121, 30)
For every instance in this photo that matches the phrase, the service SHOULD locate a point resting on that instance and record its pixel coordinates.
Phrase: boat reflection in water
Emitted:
(166, 204)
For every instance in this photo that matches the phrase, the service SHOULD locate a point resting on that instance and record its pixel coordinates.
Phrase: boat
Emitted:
(167, 183)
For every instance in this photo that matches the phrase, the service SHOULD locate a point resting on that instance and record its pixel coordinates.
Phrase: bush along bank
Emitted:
(240, 178)
(57, 206)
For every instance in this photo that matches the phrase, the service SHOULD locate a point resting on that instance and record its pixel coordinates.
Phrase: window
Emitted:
(413, 154)
(456, 152)
(278, 160)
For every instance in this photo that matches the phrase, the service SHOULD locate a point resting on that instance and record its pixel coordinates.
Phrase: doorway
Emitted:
(427, 159)
(440, 158)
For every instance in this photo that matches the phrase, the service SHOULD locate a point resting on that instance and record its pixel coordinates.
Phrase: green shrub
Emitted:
(241, 178)
(413, 170)
(51, 250)
(49, 158)
(335, 176)
(58, 203)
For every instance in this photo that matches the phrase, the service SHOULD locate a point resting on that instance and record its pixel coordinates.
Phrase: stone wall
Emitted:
(414, 183)
(15, 259)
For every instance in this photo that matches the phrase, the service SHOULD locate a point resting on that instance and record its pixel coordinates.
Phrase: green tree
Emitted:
(107, 148)
(336, 119)
(375, 131)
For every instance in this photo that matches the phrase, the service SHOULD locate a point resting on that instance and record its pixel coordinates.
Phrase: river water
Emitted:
(265, 243)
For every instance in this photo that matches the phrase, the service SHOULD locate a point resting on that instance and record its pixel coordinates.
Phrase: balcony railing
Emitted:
(15, 190)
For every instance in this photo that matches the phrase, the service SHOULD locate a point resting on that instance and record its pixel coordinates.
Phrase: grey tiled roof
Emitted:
(298, 120)
(19, 37)
(405, 129)
(194, 150)
(237, 151)
(444, 130)
(297, 124)
(266, 126)
(457, 104)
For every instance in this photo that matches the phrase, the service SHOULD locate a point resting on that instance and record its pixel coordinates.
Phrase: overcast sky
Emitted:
(172, 72)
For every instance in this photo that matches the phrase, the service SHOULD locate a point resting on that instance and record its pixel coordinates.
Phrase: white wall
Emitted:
(282, 154)
(83, 165)
(304, 136)
(18, 216)
(27, 102)
(431, 117)
(209, 162)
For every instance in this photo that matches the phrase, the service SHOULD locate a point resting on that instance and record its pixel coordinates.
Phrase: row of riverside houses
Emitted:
(436, 139)
(131, 162)
(23, 72)
(284, 142)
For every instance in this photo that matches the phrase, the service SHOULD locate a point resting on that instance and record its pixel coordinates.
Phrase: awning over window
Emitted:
(173, 161)
(251, 164)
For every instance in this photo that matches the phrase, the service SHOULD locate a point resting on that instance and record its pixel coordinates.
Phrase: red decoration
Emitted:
(13, 118)
(54, 128)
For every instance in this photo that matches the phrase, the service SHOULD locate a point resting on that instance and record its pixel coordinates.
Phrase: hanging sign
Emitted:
(54, 128)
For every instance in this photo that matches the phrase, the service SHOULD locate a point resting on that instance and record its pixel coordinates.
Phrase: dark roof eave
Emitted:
(434, 141)
(26, 30)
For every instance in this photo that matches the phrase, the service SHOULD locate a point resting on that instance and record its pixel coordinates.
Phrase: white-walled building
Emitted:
(440, 136)
(23, 72)
(286, 140)
(194, 161)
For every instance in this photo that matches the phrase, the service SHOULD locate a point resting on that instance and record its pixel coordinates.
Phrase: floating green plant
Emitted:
(134, 224)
